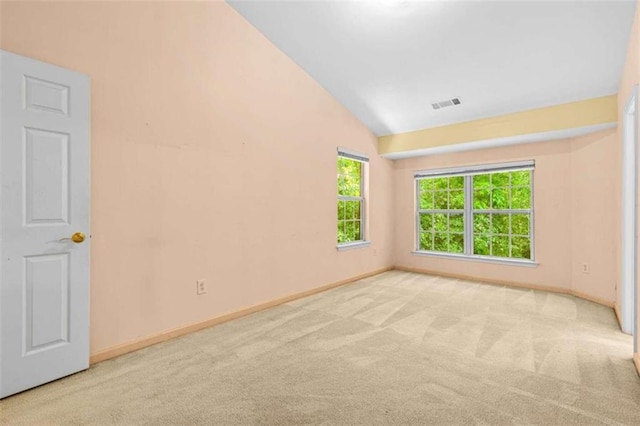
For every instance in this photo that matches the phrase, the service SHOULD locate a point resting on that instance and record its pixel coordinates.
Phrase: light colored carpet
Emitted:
(397, 348)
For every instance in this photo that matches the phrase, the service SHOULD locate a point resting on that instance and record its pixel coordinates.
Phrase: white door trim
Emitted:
(629, 215)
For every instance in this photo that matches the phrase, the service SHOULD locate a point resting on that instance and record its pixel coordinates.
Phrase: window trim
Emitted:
(468, 172)
(478, 258)
(477, 169)
(364, 160)
(353, 245)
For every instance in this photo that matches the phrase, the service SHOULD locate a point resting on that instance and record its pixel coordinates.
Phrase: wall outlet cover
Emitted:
(201, 287)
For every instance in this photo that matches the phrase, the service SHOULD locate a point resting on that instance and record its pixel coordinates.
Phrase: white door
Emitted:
(44, 196)
(629, 215)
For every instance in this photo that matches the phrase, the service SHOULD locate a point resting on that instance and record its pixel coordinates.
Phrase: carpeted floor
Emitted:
(397, 348)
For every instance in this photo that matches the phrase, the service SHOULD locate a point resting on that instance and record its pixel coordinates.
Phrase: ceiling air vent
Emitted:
(447, 103)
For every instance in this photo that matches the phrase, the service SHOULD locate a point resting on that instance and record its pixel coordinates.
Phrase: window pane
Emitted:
(521, 247)
(426, 241)
(356, 230)
(456, 182)
(520, 198)
(456, 223)
(341, 163)
(521, 178)
(481, 223)
(349, 172)
(481, 245)
(349, 230)
(441, 200)
(426, 184)
(441, 242)
(342, 237)
(440, 222)
(500, 198)
(426, 200)
(348, 210)
(481, 181)
(481, 199)
(426, 222)
(456, 243)
(341, 211)
(520, 224)
(440, 183)
(500, 179)
(456, 199)
(500, 246)
(342, 184)
(352, 210)
(500, 224)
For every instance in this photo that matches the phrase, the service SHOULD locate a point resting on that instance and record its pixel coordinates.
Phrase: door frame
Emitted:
(629, 206)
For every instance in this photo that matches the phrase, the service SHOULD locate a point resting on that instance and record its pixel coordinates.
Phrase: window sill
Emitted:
(353, 245)
(483, 259)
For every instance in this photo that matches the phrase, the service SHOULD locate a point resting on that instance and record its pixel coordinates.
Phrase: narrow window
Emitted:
(351, 197)
(477, 211)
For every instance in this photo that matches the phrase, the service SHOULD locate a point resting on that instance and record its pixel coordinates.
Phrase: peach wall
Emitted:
(213, 156)
(595, 214)
(573, 188)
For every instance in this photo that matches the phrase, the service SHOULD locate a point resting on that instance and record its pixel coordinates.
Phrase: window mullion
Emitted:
(362, 213)
(349, 198)
(417, 182)
(468, 215)
(362, 219)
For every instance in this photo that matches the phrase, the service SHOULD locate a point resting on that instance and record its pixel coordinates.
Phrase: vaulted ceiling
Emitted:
(388, 60)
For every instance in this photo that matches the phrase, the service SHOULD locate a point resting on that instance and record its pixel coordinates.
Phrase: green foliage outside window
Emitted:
(350, 200)
(499, 229)
(442, 231)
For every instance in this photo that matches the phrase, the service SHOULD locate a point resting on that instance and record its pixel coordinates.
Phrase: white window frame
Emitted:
(364, 160)
(468, 173)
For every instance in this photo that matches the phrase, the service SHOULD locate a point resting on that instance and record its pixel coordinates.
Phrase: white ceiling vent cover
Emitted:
(447, 103)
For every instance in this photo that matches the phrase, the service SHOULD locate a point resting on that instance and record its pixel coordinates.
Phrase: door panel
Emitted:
(46, 301)
(46, 175)
(45, 197)
(46, 96)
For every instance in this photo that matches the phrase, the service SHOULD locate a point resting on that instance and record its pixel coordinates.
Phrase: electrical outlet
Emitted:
(201, 287)
(585, 268)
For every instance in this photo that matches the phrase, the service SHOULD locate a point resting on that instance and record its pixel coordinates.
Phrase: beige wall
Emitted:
(213, 156)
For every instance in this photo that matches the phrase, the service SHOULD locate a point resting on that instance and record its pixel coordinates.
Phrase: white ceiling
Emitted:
(388, 60)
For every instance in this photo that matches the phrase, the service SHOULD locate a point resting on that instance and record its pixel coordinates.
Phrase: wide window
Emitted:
(351, 197)
(479, 211)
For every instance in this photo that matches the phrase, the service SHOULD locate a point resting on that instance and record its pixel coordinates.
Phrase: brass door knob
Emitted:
(78, 237)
